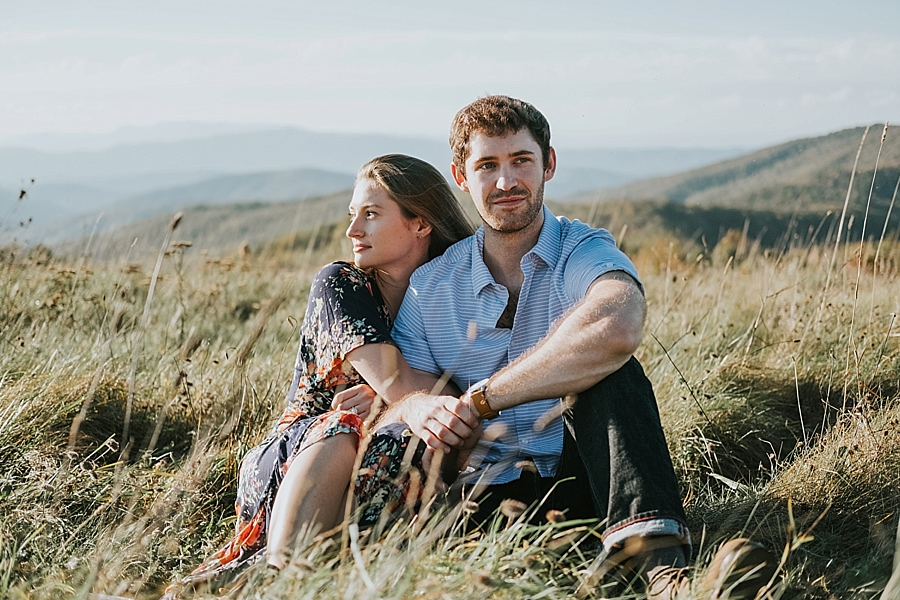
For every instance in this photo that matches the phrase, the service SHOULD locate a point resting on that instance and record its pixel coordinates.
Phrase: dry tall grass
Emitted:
(779, 394)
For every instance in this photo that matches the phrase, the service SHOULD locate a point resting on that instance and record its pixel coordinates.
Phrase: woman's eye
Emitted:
(370, 214)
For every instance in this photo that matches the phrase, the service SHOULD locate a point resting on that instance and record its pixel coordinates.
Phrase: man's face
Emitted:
(505, 176)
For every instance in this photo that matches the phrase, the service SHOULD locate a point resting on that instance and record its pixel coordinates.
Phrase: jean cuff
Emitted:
(648, 527)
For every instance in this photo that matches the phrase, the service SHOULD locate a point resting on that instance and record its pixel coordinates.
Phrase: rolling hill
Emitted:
(220, 230)
(809, 174)
(278, 186)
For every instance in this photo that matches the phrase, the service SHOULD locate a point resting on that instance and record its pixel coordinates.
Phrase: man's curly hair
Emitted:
(497, 116)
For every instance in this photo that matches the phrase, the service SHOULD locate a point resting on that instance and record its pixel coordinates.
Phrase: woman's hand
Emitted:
(360, 397)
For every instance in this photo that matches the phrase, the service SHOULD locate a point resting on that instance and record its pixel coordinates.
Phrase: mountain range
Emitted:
(181, 165)
(803, 177)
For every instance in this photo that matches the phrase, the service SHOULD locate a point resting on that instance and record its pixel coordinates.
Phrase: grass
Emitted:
(778, 389)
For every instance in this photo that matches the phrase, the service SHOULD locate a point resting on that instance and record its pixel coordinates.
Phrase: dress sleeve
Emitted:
(343, 312)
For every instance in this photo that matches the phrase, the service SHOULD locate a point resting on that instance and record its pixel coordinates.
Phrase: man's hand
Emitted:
(359, 397)
(459, 459)
(442, 422)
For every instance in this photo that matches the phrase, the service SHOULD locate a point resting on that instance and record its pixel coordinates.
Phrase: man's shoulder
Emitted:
(457, 258)
(576, 234)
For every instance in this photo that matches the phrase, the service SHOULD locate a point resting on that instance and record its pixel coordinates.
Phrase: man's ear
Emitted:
(551, 165)
(459, 177)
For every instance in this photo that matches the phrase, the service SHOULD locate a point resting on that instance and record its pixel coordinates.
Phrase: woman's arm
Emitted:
(388, 373)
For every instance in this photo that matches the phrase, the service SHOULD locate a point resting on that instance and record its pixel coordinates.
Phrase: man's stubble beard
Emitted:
(524, 220)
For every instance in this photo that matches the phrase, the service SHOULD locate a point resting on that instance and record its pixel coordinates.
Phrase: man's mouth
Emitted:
(359, 247)
(510, 198)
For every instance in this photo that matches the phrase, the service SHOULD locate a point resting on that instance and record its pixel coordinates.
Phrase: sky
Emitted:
(606, 74)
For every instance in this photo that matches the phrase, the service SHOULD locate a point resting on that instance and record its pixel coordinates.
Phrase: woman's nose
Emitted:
(354, 230)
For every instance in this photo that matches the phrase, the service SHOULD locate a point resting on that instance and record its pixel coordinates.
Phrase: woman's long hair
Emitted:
(421, 191)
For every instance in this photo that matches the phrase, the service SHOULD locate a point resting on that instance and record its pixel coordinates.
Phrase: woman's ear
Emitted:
(422, 226)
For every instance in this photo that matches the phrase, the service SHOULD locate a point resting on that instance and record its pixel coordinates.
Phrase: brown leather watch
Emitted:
(478, 394)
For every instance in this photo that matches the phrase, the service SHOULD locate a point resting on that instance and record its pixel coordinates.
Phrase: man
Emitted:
(530, 310)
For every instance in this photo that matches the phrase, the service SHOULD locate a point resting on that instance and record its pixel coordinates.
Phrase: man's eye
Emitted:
(370, 214)
(485, 166)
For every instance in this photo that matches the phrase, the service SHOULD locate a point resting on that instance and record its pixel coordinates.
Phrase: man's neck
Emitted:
(503, 252)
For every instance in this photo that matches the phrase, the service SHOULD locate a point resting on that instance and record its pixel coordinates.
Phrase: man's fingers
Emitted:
(454, 425)
(432, 441)
(464, 411)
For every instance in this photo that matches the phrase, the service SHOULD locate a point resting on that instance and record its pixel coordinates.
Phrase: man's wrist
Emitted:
(479, 397)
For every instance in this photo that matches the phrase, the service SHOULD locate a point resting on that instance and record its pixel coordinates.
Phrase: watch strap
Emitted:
(478, 394)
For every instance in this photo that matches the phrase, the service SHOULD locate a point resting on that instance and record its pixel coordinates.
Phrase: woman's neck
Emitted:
(392, 287)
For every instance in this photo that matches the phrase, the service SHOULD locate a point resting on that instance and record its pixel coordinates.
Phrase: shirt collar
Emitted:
(547, 248)
(549, 244)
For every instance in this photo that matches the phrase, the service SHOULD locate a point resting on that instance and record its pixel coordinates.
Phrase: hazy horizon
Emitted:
(176, 131)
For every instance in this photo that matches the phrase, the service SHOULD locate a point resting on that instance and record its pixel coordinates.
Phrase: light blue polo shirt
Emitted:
(448, 317)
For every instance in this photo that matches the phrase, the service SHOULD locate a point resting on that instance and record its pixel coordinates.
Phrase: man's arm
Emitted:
(594, 339)
(431, 416)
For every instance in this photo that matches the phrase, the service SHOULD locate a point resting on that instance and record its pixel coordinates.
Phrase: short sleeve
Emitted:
(594, 255)
(409, 333)
(344, 310)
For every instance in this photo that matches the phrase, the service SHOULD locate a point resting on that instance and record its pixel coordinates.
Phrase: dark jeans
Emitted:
(615, 464)
(614, 448)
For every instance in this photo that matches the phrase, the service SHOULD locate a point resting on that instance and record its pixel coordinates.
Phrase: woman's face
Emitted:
(382, 237)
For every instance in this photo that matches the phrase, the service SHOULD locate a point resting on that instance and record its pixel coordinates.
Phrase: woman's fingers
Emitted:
(359, 397)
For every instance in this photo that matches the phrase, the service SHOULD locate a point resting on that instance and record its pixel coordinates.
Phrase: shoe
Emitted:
(740, 570)
(654, 564)
(669, 584)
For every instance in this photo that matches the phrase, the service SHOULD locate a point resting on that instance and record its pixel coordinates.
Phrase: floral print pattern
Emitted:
(345, 311)
(390, 476)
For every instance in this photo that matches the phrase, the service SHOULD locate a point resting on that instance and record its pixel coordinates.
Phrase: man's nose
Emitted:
(507, 180)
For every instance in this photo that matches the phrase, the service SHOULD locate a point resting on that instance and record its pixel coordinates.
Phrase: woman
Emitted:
(402, 214)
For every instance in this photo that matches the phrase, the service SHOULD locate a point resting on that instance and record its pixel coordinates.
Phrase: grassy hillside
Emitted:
(802, 175)
(221, 230)
(778, 380)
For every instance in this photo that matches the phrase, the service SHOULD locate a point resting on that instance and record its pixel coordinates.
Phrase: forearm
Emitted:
(595, 339)
(387, 372)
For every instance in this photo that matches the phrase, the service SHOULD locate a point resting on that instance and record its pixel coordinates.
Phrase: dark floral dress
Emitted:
(345, 311)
